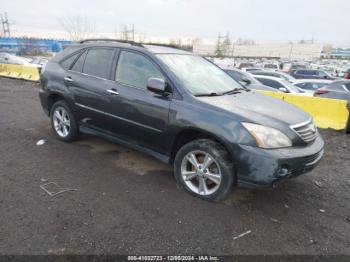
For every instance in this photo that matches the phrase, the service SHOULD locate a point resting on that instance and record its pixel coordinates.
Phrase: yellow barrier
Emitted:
(327, 113)
(30, 73)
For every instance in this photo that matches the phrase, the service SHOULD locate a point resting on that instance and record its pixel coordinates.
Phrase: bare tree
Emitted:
(78, 27)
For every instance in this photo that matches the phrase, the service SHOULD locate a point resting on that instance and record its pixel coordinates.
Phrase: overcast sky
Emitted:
(265, 21)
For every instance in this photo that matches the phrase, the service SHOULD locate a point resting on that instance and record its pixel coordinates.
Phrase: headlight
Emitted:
(268, 137)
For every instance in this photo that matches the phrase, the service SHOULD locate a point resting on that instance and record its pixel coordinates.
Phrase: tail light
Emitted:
(347, 76)
(321, 91)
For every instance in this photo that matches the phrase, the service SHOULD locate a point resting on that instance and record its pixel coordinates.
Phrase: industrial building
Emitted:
(292, 51)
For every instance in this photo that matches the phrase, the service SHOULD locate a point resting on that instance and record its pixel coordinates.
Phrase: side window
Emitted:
(135, 69)
(275, 84)
(236, 76)
(78, 65)
(98, 62)
(271, 83)
(263, 81)
(321, 74)
(66, 64)
(302, 85)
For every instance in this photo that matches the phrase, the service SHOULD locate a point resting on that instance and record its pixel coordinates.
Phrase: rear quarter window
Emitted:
(67, 63)
(78, 65)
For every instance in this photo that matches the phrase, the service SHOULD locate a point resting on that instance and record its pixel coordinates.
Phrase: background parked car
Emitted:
(336, 90)
(245, 65)
(6, 58)
(311, 74)
(250, 69)
(271, 66)
(247, 80)
(279, 84)
(310, 85)
(281, 75)
(347, 74)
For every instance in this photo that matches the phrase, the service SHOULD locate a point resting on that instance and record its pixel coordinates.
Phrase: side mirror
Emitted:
(246, 81)
(283, 89)
(157, 86)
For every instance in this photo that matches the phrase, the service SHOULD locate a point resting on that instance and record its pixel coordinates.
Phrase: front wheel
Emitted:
(204, 169)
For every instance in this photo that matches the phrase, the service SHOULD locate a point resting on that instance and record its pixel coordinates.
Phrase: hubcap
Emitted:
(61, 121)
(201, 173)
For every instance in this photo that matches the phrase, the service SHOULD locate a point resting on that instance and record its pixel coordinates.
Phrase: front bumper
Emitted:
(264, 167)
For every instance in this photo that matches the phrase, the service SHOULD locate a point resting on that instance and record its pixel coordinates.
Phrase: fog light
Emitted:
(284, 171)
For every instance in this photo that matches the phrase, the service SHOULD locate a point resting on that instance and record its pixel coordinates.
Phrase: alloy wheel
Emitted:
(61, 121)
(201, 173)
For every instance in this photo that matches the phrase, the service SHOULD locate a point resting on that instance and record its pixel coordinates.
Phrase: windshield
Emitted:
(198, 75)
(287, 77)
(291, 87)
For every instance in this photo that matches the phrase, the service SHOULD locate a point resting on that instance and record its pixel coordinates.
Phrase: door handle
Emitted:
(112, 91)
(68, 79)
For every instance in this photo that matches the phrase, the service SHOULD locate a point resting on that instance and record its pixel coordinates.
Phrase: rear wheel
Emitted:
(204, 169)
(63, 122)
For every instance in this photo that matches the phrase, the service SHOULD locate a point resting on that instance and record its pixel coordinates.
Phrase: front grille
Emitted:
(307, 131)
(313, 159)
(309, 163)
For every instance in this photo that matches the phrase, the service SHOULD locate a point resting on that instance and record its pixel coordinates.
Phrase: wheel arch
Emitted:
(53, 98)
(187, 135)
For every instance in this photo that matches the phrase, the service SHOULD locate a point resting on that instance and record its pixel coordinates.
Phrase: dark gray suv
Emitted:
(181, 109)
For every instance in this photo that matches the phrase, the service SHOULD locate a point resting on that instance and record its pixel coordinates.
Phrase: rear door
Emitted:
(138, 114)
(88, 79)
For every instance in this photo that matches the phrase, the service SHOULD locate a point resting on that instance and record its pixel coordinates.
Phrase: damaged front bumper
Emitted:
(265, 167)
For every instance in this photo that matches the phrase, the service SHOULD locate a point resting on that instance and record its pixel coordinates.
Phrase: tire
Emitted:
(66, 133)
(347, 128)
(198, 182)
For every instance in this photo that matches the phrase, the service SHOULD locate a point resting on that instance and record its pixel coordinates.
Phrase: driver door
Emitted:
(138, 114)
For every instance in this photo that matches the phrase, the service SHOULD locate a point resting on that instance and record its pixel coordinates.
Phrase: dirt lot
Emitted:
(128, 203)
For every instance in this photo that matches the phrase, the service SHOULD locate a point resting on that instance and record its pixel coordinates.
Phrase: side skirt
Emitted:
(163, 158)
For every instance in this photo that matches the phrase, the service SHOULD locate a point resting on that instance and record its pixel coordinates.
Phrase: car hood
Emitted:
(258, 108)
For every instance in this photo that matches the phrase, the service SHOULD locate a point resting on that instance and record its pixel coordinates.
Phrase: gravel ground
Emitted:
(127, 202)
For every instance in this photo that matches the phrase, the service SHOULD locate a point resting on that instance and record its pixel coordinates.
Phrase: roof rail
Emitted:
(109, 40)
(131, 43)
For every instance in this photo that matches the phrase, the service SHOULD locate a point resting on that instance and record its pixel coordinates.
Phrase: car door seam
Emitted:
(117, 117)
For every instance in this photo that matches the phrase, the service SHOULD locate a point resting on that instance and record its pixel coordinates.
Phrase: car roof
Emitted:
(312, 81)
(152, 48)
(157, 49)
(233, 69)
(268, 77)
(340, 82)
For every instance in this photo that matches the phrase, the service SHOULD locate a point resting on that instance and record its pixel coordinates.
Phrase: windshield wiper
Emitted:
(235, 91)
(209, 94)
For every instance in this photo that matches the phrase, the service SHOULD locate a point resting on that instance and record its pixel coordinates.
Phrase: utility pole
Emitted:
(5, 25)
(291, 51)
(128, 34)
